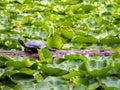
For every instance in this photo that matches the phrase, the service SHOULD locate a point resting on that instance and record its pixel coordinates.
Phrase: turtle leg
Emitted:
(34, 50)
(28, 50)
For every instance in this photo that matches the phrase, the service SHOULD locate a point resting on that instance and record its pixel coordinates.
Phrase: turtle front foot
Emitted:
(31, 51)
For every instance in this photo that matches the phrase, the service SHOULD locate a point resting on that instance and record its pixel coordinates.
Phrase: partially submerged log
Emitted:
(60, 53)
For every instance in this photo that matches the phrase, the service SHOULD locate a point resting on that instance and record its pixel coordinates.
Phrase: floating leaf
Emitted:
(25, 86)
(74, 56)
(85, 39)
(110, 40)
(67, 34)
(71, 74)
(44, 54)
(43, 85)
(111, 83)
(52, 70)
(87, 7)
(18, 64)
(55, 42)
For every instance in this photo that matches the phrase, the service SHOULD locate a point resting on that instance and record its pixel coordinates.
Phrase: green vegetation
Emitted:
(62, 24)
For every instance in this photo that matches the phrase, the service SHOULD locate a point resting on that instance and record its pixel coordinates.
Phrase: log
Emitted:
(59, 53)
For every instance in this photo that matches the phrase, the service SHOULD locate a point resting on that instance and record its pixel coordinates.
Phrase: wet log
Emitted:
(60, 53)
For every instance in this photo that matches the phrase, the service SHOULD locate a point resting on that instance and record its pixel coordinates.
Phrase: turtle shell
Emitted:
(35, 44)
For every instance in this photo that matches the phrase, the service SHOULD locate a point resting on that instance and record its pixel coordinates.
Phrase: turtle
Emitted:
(32, 45)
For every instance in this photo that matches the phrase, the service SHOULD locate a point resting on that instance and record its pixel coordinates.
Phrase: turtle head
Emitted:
(21, 42)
